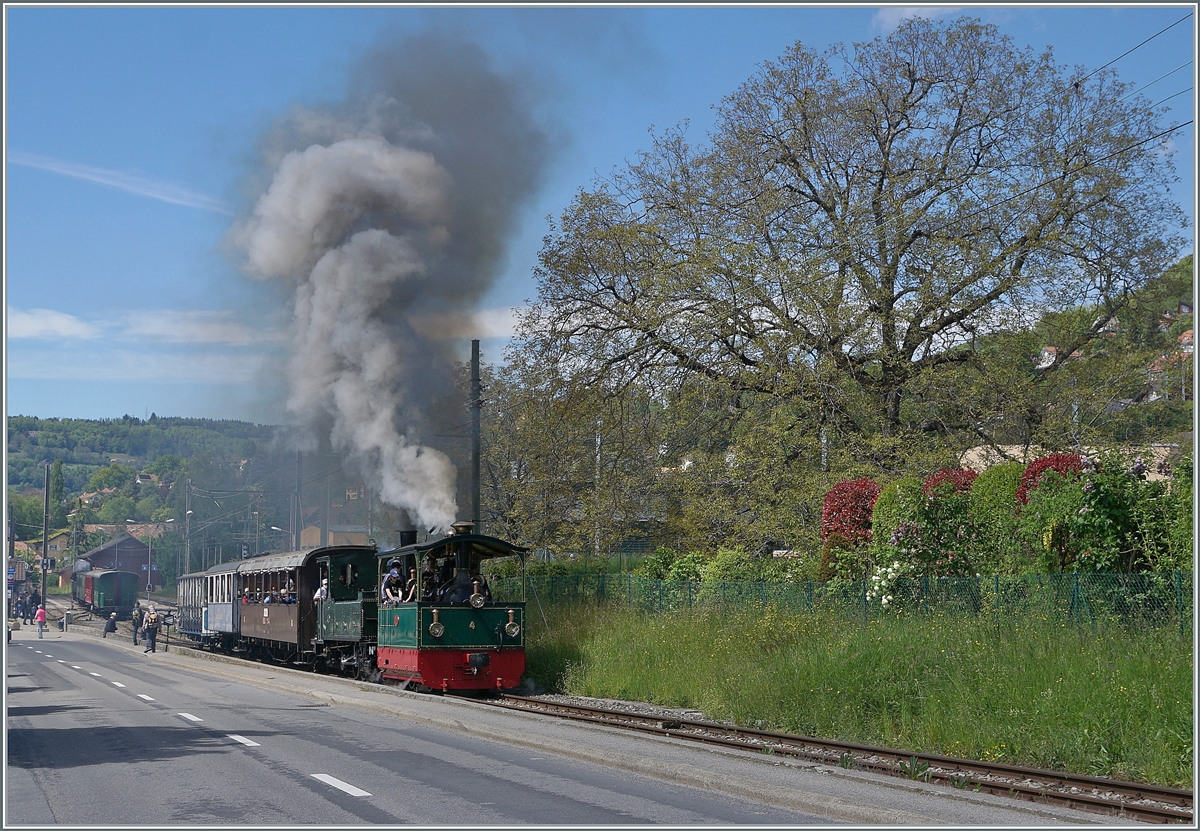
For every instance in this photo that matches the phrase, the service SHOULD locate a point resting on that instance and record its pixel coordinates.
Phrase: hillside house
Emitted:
(1050, 355)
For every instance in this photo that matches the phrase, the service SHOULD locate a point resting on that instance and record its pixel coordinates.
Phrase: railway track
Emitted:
(1144, 803)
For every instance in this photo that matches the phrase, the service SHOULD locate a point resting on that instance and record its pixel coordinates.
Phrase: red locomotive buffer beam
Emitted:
(457, 669)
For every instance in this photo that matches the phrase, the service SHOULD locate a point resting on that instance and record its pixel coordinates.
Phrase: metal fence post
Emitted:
(1179, 600)
(996, 603)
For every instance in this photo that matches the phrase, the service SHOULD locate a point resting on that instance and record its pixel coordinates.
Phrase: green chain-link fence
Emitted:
(1149, 599)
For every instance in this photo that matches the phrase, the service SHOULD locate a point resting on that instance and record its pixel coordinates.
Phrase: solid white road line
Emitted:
(340, 785)
(243, 740)
(190, 717)
(148, 698)
(118, 684)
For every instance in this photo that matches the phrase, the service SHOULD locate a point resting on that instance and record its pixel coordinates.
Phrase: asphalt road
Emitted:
(101, 734)
(104, 735)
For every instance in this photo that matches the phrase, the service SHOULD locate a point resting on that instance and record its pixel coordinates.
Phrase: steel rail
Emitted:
(1147, 803)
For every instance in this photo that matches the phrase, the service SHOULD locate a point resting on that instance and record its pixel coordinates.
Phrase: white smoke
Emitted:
(384, 210)
(344, 361)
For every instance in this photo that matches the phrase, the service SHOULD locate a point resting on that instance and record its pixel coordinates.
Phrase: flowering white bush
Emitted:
(883, 580)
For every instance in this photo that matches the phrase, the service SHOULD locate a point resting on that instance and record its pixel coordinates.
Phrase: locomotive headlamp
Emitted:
(436, 629)
(512, 628)
(476, 601)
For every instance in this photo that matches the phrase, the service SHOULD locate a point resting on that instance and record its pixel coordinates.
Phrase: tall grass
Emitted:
(1114, 703)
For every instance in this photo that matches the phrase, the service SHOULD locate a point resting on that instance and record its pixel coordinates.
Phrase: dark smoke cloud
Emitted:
(379, 213)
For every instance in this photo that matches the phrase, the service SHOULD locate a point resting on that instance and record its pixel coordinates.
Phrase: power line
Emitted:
(1134, 49)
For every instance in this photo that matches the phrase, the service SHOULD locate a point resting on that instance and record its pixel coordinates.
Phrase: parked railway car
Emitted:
(104, 591)
(447, 634)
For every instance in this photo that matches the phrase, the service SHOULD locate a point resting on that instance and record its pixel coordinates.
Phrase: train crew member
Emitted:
(428, 582)
(410, 589)
(150, 630)
(110, 625)
(391, 591)
(137, 621)
(323, 592)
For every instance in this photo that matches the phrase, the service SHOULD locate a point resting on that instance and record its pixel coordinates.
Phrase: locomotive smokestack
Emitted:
(407, 532)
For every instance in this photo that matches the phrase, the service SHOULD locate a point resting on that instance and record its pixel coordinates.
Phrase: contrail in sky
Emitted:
(130, 182)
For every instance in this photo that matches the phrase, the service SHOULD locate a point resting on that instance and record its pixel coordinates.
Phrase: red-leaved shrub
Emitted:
(847, 510)
(961, 478)
(1065, 464)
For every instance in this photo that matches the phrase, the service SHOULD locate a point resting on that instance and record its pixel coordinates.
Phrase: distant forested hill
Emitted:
(85, 446)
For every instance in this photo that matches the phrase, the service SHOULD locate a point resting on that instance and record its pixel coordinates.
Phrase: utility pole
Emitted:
(596, 539)
(476, 407)
(187, 526)
(45, 530)
(298, 516)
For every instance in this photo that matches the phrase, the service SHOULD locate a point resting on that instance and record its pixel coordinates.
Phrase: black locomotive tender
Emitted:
(321, 609)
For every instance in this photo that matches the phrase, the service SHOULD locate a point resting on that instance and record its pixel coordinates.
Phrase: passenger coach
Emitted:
(325, 609)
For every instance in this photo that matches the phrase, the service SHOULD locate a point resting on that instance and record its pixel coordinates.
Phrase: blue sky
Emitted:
(130, 133)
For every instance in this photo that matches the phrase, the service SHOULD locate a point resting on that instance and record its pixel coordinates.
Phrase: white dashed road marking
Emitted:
(38, 651)
(243, 740)
(148, 698)
(190, 717)
(118, 684)
(340, 785)
(61, 661)
(75, 667)
(98, 675)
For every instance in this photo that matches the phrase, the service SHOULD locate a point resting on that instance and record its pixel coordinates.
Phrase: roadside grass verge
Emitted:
(1112, 703)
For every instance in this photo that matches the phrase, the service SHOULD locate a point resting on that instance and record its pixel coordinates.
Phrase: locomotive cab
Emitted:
(451, 634)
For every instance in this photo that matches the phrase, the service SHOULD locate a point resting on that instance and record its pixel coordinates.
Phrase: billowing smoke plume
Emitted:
(382, 211)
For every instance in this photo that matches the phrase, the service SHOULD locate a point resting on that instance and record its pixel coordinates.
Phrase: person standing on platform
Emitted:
(40, 617)
(150, 630)
(137, 621)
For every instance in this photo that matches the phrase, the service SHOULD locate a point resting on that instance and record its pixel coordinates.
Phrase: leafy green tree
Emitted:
(26, 512)
(58, 512)
(995, 549)
(852, 227)
(898, 501)
(114, 476)
(116, 510)
(146, 508)
(689, 566)
(167, 468)
(1180, 551)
